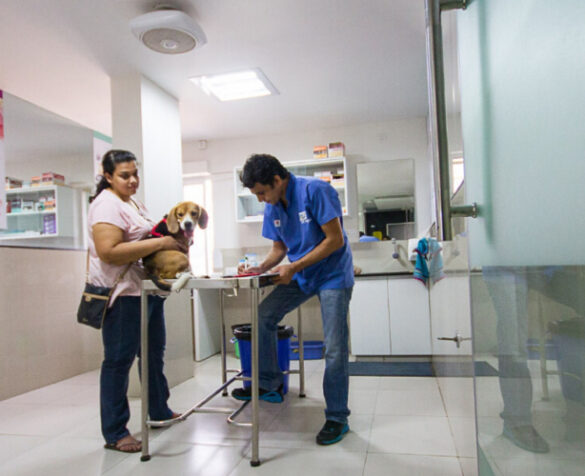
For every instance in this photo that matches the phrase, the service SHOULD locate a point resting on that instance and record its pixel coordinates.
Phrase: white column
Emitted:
(145, 121)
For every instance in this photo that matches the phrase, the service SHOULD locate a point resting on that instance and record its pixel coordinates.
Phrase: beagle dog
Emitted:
(169, 264)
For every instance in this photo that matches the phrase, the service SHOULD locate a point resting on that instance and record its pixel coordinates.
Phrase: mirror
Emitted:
(386, 200)
(42, 210)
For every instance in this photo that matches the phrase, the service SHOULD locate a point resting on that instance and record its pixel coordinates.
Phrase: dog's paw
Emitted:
(182, 279)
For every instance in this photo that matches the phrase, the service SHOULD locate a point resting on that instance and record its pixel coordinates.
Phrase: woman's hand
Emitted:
(170, 243)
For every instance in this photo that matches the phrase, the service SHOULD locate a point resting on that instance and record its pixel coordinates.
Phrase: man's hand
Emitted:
(285, 274)
(242, 269)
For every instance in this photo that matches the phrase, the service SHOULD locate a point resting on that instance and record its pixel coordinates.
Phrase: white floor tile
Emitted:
(463, 430)
(410, 402)
(411, 465)
(64, 457)
(469, 466)
(172, 458)
(12, 446)
(321, 461)
(421, 435)
(397, 424)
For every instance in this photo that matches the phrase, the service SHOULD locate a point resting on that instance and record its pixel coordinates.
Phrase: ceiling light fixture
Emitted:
(168, 31)
(246, 84)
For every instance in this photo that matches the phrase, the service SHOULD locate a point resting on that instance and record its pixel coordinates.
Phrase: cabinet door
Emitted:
(451, 314)
(369, 318)
(409, 317)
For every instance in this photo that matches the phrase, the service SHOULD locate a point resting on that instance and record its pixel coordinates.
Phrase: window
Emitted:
(198, 190)
(457, 173)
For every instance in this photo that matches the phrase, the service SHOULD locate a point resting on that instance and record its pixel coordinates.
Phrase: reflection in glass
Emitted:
(530, 323)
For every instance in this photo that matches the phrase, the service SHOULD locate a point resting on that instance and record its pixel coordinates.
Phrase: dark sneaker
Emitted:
(272, 396)
(527, 438)
(332, 432)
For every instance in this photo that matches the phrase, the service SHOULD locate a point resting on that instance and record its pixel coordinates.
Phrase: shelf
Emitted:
(32, 190)
(249, 210)
(21, 214)
(29, 234)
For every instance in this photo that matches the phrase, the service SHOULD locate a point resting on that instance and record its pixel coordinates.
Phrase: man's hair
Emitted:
(262, 168)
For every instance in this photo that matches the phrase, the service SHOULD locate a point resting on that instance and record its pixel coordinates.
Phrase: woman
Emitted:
(117, 228)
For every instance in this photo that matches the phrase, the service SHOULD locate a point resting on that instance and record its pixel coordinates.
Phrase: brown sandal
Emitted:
(129, 446)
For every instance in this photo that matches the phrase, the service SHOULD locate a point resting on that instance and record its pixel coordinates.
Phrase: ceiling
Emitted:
(334, 62)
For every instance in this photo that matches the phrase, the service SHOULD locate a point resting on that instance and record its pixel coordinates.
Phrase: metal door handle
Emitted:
(457, 339)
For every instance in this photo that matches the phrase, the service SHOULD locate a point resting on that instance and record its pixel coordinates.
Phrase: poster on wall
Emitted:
(2, 168)
(101, 144)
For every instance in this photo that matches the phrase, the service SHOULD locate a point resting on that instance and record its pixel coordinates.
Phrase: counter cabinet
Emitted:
(389, 316)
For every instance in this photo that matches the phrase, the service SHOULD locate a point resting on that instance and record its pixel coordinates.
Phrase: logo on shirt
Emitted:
(303, 218)
(277, 223)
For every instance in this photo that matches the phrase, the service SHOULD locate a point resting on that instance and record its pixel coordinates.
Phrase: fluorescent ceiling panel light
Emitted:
(251, 83)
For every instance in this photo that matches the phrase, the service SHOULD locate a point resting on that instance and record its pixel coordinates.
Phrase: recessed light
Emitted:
(251, 83)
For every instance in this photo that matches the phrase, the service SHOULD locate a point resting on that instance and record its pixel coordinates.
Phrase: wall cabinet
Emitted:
(334, 170)
(389, 316)
(41, 214)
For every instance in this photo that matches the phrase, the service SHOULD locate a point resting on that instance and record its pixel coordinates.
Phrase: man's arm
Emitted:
(332, 242)
(274, 256)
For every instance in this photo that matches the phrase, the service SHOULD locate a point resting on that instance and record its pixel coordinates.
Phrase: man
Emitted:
(303, 219)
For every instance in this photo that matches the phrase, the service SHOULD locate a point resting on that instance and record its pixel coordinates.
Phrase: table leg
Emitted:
(301, 354)
(255, 375)
(223, 343)
(144, 372)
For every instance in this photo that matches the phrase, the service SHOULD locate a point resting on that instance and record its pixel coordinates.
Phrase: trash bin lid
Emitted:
(244, 331)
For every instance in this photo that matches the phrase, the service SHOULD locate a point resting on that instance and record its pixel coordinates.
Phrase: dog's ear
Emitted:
(172, 221)
(203, 217)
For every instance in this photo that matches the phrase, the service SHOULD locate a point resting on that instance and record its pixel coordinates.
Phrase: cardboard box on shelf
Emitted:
(12, 182)
(336, 149)
(51, 178)
(36, 181)
(320, 151)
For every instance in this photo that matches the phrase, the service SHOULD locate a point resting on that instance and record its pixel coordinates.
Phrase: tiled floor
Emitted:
(398, 426)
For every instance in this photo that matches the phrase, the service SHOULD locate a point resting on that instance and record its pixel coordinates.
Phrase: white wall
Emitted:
(364, 143)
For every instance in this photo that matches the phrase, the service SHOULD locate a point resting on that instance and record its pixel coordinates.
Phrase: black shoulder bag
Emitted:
(95, 300)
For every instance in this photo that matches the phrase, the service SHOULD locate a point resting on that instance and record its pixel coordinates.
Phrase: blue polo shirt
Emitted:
(311, 203)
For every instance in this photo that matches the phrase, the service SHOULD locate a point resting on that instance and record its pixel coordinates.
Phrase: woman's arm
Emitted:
(112, 249)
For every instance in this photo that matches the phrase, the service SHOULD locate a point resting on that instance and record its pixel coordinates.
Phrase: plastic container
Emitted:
(243, 335)
(312, 350)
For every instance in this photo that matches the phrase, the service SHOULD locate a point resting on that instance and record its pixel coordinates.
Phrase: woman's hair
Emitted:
(262, 168)
(109, 161)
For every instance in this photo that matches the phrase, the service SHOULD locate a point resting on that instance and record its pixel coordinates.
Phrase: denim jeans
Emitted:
(334, 309)
(121, 338)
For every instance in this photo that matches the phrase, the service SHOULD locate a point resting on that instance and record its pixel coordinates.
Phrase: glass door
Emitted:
(522, 77)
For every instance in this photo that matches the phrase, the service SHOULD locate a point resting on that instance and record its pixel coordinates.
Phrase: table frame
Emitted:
(253, 283)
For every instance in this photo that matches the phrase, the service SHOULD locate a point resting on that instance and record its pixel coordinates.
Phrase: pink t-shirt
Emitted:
(135, 223)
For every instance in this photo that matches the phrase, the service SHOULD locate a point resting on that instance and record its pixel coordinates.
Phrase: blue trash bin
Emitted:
(243, 334)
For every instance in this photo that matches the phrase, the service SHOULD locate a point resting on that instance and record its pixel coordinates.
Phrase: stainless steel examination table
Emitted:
(253, 284)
